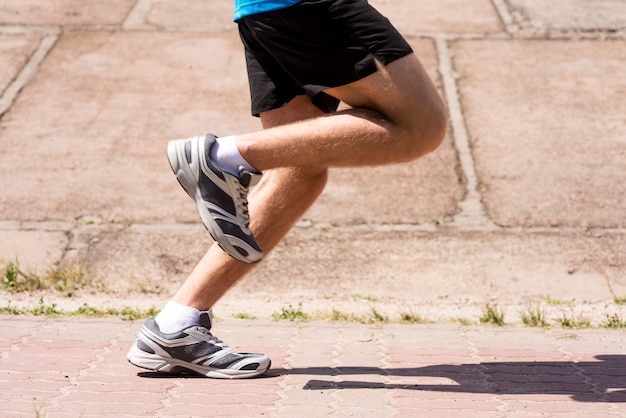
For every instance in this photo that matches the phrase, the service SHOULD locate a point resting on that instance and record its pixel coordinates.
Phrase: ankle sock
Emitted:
(175, 317)
(228, 157)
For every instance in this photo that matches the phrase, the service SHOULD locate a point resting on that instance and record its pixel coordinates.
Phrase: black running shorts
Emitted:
(312, 46)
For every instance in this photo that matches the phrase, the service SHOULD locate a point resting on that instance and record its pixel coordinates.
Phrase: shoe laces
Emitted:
(241, 204)
(212, 338)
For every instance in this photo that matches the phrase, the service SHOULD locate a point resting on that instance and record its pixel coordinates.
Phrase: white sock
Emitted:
(227, 156)
(175, 317)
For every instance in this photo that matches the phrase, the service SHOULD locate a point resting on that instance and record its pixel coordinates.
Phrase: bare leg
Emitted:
(397, 116)
(276, 204)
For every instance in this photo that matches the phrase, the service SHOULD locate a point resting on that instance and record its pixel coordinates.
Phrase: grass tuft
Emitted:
(291, 314)
(572, 322)
(619, 300)
(51, 309)
(242, 315)
(614, 322)
(66, 279)
(365, 298)
(492, 315)
(43, 309)
(15, 280)
(534, 316)
(412, 318)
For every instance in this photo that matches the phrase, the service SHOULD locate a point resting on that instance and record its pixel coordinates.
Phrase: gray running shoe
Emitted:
(193, 349)
(221, 198)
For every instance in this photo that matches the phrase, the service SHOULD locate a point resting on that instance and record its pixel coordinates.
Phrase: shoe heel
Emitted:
(172, 156)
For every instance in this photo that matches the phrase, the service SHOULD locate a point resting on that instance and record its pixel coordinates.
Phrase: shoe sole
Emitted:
(187, 180)
(157, 363)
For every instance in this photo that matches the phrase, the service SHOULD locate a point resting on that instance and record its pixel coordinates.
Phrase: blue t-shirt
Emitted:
(249, 7)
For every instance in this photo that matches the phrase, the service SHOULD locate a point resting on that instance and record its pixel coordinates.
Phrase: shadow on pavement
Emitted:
(590, 381)
(601, 381)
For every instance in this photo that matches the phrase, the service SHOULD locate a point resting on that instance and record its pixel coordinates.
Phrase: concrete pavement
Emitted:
(523, 205)
(71, 367)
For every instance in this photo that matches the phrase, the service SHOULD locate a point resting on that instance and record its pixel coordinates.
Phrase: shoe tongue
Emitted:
(205, 319)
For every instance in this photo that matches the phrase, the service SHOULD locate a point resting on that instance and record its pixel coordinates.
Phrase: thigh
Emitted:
(313, 46)
(298, 109)
(401, 91)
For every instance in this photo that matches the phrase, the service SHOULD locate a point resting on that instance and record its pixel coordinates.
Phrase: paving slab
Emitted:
(185, 15)
(438, 275)
(457, 16)
(573, 14)
(337, 368)
(431, 187)
(547, 133)
(474, 266)
(35, 251)
(15, 50)
(64, 12)
(99, 113)
(105, 136)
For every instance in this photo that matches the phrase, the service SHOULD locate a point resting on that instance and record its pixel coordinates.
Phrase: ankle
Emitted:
(175, 317)
(226, 154)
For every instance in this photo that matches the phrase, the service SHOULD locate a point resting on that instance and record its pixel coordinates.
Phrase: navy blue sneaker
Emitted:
(221, 198)
(193, 349)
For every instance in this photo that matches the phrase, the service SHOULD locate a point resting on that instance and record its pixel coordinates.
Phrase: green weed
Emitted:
(492, 315)
(378, 317)
(614, 321)
(130, 314)
(15, 280)
(93, 312)
(534, 316)
(42, 309)
(338, 316)
(579, 321)
(51, 309)
(374, 317)
(367, 298)
(11, 310)
(411, 318)
(66, 279)
(620, 300)
(245, 316)
(554, 302)
(291, 314)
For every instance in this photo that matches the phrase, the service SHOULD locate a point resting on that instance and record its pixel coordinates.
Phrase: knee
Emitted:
(426, 131)
(437, 127)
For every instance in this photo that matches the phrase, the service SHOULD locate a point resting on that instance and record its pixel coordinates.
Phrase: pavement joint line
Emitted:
(482, 371)
(28, 29)
(471, 207)
(95, 359)
(336, 352)
(502, 8)
(136, 16)
(172, 394)
(52, 226)
(519, 29)
(578, 369)
(33, 334)
(281, 403)
(27, 72)
(383, 349)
